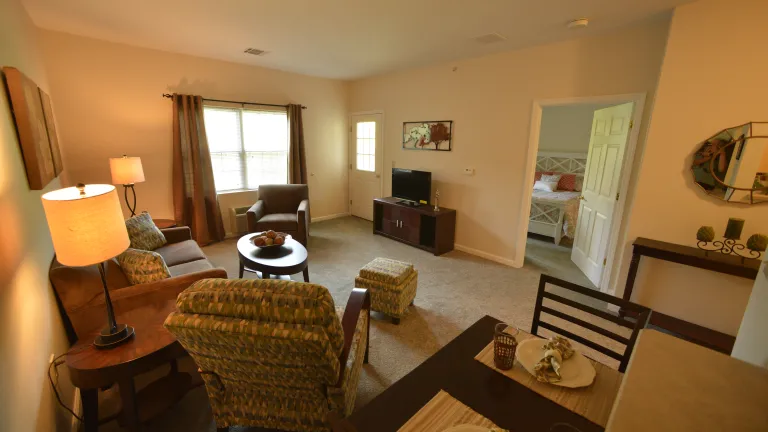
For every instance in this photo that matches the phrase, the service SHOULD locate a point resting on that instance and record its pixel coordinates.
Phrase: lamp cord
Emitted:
(56, 363)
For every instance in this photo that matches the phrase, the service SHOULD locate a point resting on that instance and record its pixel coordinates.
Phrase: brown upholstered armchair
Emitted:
(283, 208)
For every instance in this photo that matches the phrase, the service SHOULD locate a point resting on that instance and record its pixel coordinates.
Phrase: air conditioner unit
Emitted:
(237, 220)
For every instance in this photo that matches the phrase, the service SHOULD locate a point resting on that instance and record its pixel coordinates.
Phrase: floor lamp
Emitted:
(127, 171)
(87, 228)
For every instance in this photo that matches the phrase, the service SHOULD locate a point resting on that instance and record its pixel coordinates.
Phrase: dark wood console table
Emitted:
(421, 227)
(694, 257)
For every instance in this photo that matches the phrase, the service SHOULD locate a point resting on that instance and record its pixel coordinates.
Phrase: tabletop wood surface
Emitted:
(443, 412)
(453, 369)
(593, 402)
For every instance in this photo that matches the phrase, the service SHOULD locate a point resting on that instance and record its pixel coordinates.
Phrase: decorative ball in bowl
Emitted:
(270, 239)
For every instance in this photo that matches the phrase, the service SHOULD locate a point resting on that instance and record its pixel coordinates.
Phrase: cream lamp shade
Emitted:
(86, 224)
(126, 170)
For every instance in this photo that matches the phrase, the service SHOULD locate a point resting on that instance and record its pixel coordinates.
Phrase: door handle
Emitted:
(378, 175)
(582, 198)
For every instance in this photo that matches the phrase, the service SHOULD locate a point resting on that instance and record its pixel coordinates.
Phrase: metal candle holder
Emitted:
(729, 247)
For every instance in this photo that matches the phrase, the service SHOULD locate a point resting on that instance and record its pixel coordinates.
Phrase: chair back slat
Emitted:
(636, 324)
(587, 325)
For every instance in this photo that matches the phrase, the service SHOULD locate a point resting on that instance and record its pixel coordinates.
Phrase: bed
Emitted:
(555, 214)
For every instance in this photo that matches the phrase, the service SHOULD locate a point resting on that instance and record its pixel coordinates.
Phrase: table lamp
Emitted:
(127, 171)
(87, 228)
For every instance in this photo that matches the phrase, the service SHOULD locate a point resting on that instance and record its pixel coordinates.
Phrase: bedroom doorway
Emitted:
(580, 155)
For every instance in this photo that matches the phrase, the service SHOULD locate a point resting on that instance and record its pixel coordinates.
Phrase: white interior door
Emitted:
(366, 163)
(600, 191)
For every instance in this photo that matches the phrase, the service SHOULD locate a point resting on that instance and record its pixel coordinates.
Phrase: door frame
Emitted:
(626, 172)
(349, 152)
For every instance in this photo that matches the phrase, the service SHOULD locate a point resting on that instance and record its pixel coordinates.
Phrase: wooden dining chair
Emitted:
(636, 323)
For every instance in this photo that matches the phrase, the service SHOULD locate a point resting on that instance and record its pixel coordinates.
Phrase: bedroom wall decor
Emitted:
(33, 115)
(428, 135)
(732, 165)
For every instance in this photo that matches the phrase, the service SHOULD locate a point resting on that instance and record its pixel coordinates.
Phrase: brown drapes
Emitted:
(195, 203)
(297, 166)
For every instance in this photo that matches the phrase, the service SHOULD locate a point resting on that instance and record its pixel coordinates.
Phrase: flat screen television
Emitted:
(411, 185)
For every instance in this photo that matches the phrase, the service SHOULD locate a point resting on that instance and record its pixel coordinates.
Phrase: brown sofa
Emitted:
(81, 296)
(283, 208)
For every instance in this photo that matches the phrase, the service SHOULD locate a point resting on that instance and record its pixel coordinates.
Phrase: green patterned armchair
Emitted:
(274, 354)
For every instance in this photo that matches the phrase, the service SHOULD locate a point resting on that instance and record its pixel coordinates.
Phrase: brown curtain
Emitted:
(195, 203)
(297, 153)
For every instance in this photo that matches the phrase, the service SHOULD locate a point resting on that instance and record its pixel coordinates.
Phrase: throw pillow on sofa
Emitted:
(143, 233)
(141, 266)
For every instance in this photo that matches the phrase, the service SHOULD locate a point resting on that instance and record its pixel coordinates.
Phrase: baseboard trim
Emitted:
(77, 407)
(486, 255)
(329, 217)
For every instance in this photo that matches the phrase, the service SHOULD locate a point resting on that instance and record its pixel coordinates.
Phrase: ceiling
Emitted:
(345, 39)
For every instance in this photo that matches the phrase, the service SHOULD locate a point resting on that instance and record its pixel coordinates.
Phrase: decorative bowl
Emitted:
(284, 236)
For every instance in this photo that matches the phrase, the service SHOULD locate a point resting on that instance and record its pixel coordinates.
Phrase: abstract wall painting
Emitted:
(428, 135)
(33, 116)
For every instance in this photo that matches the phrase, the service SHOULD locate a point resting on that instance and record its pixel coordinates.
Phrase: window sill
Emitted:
(236, 191)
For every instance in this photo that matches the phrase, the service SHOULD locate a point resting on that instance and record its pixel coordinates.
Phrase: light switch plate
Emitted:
(469, 171)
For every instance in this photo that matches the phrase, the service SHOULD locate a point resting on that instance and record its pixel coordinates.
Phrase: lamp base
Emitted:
(108, 339)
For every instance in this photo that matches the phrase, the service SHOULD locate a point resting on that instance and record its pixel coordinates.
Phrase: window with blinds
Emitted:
(249, 146)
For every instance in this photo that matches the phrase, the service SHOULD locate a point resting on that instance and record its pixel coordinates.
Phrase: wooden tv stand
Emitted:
(420, 227)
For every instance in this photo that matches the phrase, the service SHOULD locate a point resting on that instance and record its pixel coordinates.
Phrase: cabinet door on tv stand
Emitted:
(410, 226)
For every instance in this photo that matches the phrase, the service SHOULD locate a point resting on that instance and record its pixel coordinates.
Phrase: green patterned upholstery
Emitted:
(269, 351)
(141, 266)
(386, 270)
(392, 285)
(143, 233)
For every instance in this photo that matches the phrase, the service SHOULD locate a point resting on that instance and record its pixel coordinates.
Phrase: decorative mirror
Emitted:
(733, 164)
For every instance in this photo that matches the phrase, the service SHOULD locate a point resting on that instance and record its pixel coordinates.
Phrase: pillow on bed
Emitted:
(567, 183)
(545, 186)
(551, 178)
(538, 174)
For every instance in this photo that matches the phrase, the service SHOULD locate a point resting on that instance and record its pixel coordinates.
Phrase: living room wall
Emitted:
(700, 93)
(108, 100)
(490, 99)
(30, 326)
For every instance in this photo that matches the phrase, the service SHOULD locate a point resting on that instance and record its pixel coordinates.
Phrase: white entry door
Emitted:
(366, 163)
(600, 191)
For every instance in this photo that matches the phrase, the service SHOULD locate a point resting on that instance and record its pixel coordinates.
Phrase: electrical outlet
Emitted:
(469, 171)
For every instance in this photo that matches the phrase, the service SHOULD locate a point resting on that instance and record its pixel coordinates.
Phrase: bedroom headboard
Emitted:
(569, 163)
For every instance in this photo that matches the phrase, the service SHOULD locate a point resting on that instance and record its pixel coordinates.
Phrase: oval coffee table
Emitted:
(280, 262)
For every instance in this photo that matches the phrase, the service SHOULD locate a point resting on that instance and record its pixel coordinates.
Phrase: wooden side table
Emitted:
(152, 346)
(694, 257)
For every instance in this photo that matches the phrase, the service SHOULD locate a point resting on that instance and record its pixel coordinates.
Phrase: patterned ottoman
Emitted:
(392, 285)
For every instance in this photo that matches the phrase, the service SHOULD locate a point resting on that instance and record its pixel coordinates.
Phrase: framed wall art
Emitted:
(428, 135)
(33, 116)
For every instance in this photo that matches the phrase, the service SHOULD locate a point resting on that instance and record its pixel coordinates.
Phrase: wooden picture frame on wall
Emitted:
(32, 128)
(428, 135)
(53, 137)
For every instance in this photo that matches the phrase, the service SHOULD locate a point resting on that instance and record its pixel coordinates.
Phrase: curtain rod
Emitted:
(170, 96)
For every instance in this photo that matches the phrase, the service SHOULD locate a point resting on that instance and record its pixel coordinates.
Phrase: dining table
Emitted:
(459, 382)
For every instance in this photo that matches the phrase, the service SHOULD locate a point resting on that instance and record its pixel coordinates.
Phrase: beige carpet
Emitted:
(454, 291)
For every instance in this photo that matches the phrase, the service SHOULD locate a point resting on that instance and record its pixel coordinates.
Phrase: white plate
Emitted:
(577, 371)
(467, 428)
